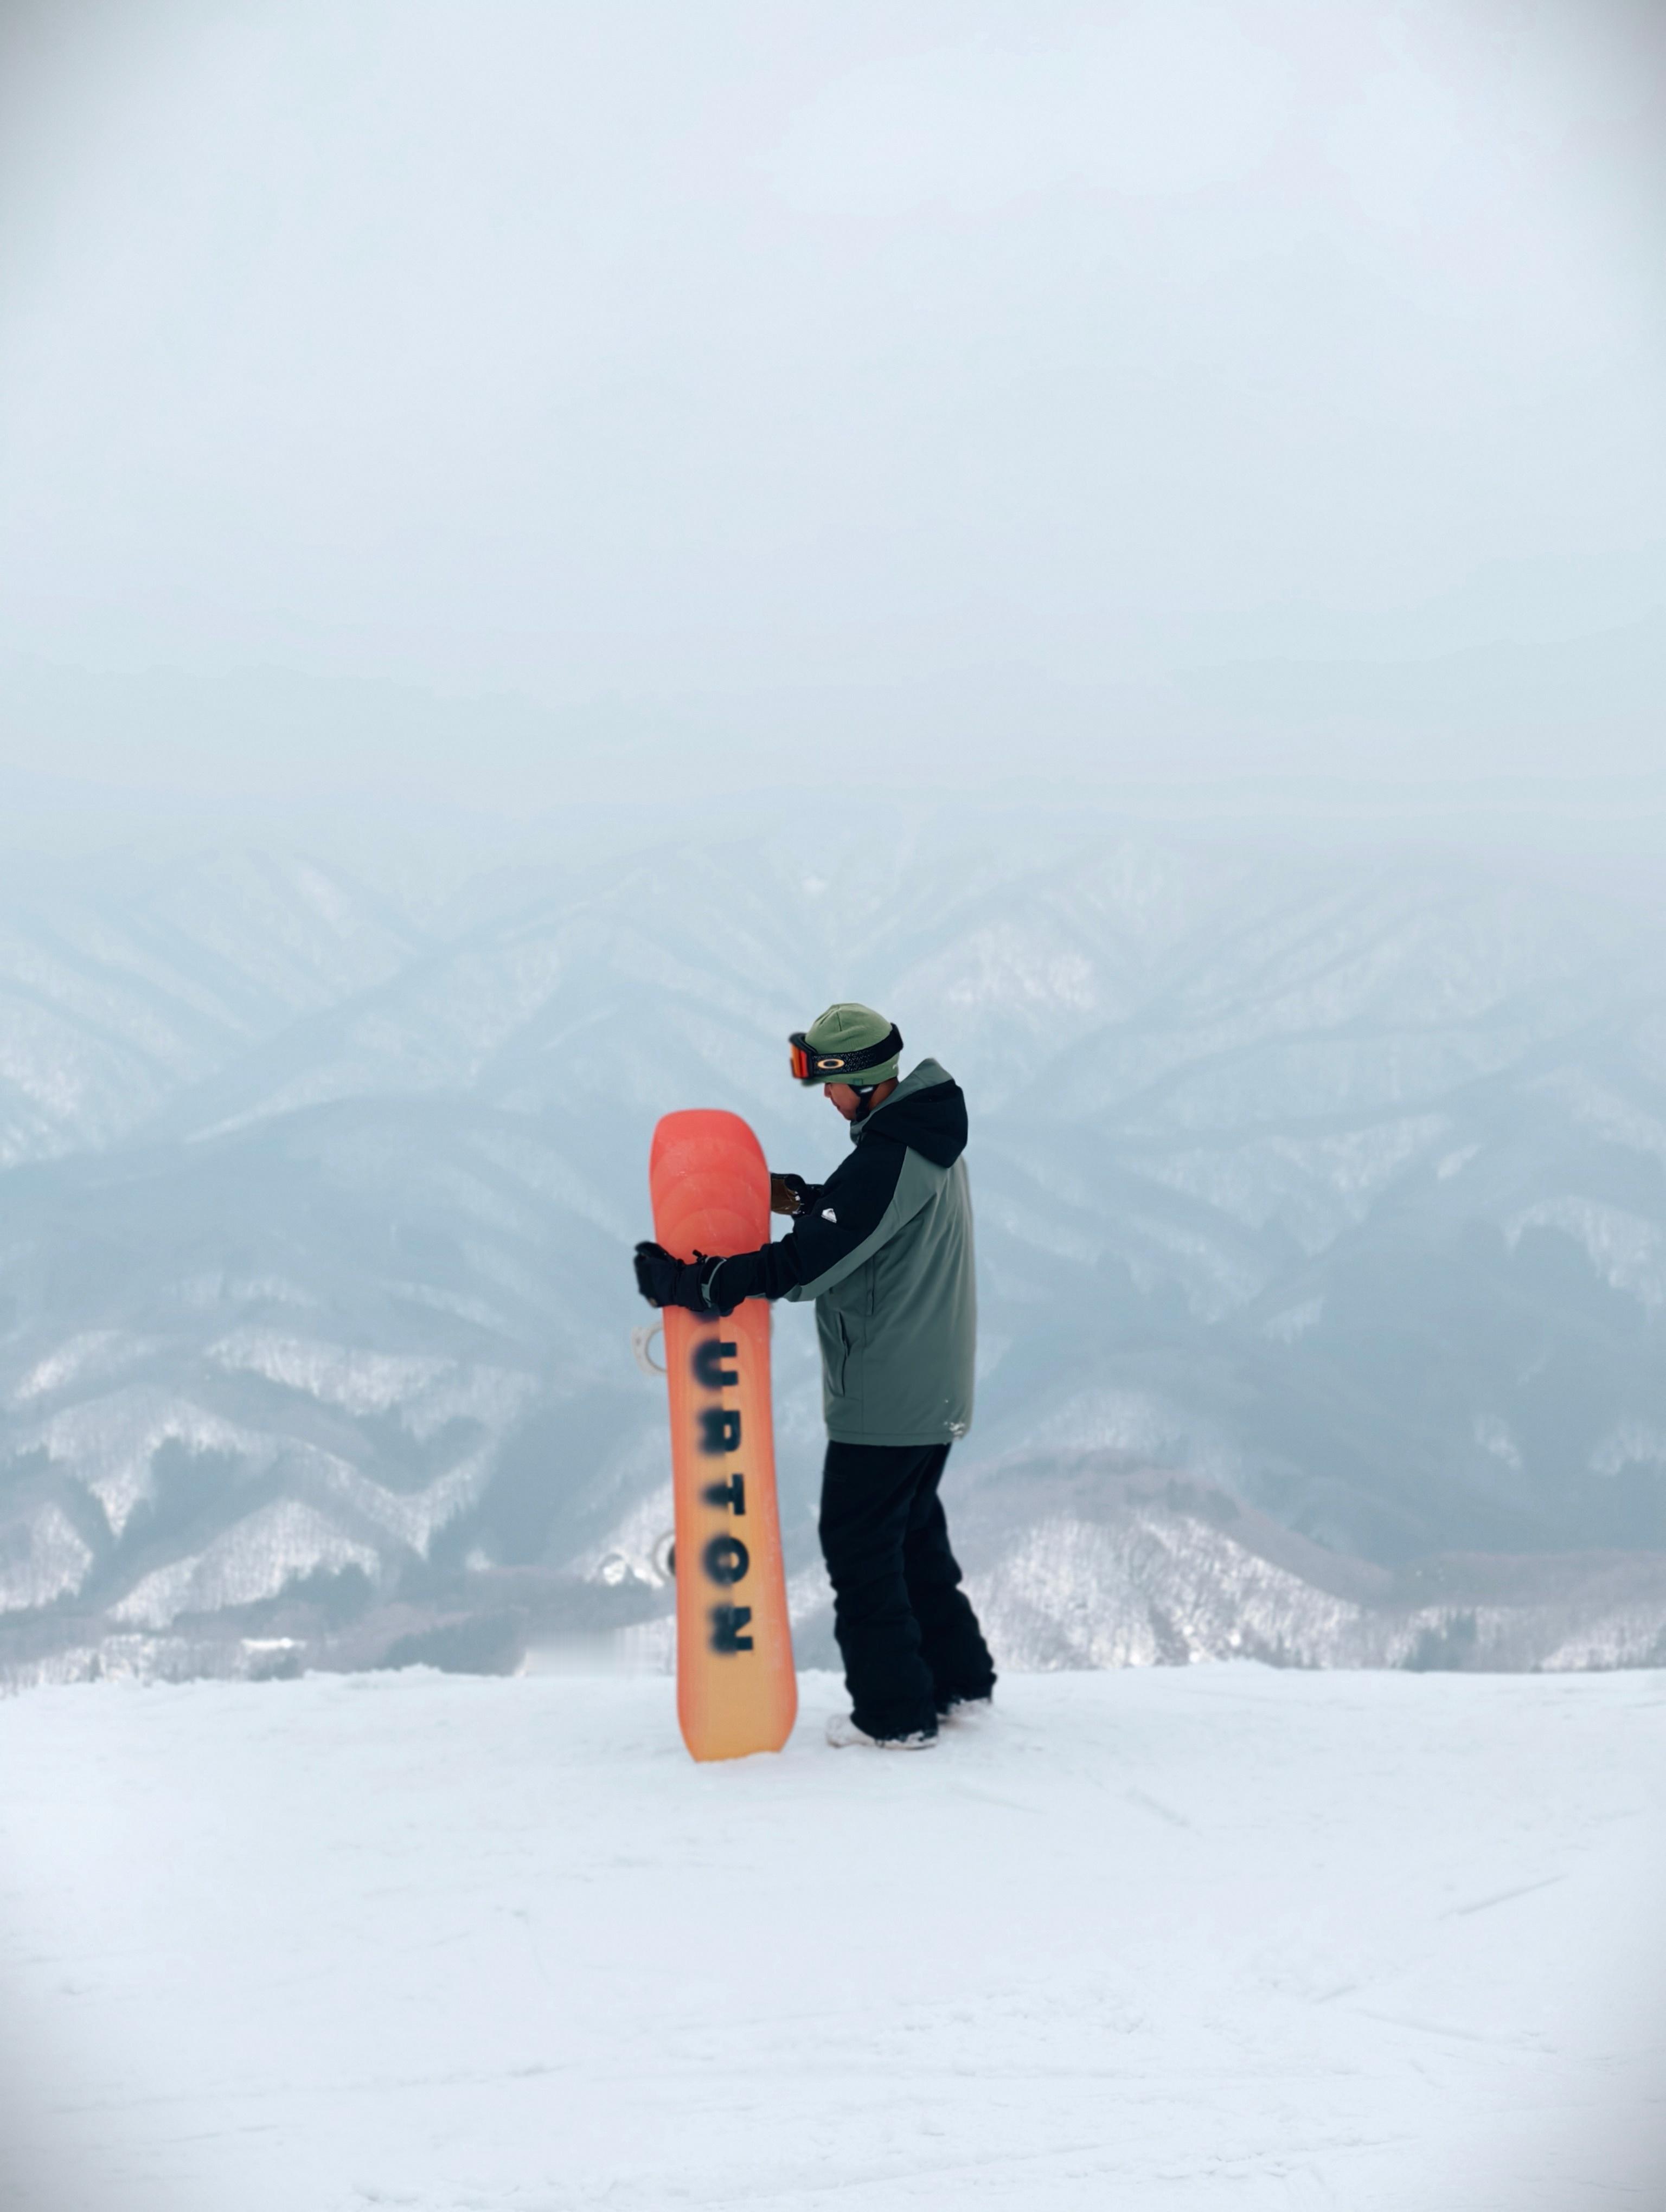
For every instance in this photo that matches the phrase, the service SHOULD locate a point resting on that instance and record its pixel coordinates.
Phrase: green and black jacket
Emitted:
(884, 1249)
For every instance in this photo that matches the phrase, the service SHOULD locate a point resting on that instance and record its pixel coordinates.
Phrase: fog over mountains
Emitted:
(1322, 1209)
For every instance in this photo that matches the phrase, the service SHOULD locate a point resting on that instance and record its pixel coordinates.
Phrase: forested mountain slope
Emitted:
(1337, 1188)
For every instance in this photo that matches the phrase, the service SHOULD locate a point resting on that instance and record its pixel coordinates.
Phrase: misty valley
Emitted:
(1321, 1211)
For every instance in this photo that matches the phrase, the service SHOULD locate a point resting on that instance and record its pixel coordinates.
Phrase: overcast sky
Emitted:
(496, 403)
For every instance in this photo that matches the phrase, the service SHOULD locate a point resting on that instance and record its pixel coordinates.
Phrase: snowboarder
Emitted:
(884, 1249)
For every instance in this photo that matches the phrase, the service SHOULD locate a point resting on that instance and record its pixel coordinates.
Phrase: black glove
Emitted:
(663, 1281)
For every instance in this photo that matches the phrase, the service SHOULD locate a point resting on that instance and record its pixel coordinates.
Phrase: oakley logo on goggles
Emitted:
(840, 1067)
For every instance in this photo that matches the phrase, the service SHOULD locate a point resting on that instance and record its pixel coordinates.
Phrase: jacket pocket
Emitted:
(842, 1362)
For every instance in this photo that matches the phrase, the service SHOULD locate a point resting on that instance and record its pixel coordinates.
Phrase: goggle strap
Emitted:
(840, 1067)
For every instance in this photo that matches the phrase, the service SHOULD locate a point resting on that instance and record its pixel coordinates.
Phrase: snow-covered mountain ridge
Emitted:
(1338, 1188)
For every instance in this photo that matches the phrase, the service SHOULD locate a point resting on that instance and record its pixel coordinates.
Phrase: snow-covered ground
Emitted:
(1176, 1939)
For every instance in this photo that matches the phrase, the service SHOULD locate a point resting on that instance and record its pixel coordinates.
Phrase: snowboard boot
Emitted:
(842, 1732)
(966, 1709)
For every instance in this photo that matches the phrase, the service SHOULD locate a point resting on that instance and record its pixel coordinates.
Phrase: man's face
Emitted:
(841, 1095)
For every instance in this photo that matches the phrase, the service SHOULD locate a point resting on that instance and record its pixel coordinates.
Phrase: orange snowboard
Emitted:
(736, 1690)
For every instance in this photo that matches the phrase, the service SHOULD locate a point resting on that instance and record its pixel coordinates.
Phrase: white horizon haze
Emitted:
(498, 408)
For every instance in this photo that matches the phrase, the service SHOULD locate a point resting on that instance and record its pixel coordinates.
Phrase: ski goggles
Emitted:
(810, 1066)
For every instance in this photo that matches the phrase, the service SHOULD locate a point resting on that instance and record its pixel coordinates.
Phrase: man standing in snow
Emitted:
(884, 1249)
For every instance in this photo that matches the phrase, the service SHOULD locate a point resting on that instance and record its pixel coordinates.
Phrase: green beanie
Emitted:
(850, 1032)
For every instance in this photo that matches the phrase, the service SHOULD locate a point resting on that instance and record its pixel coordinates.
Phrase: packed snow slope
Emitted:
(1223, 1939)
(1335, 1182)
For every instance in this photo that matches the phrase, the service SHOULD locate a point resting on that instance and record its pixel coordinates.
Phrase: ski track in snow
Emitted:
(1190, 1939)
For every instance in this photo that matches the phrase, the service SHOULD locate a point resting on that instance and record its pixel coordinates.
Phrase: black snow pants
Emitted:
(907, 1633)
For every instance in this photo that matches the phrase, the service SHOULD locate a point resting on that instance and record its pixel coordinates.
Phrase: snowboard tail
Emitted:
(736, 1690)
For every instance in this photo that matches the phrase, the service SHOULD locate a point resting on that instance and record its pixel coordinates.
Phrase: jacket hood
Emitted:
(927, 1112)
